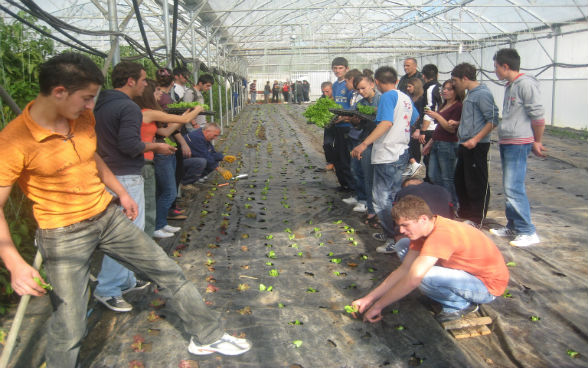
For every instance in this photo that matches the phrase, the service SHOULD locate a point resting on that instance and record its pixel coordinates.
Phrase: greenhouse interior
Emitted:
(272, 207)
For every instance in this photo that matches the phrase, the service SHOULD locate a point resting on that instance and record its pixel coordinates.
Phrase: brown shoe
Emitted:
(176, 215)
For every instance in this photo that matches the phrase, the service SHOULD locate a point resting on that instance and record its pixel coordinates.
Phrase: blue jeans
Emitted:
(442, 161)
(113, 277)
(514, 170)
(66, 255)
(454, 289)
(357, 174)
(165, 169)
(387, 182)
(193, 169)
(368, 176)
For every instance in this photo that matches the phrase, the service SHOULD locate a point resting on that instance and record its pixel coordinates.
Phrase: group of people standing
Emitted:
(450, 124)
(80, 162)
(292, 92)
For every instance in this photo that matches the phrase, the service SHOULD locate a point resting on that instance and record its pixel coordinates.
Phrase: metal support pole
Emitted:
(220, 91)
(113, 26)
(165, 10)
(556, 31)
(227, 86)
(208, 61)
(195, 63)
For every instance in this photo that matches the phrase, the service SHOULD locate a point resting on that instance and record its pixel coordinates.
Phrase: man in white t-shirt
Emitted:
(181, 91)
(396, 113)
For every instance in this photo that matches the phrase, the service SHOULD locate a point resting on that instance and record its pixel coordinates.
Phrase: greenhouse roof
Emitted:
(306, 32)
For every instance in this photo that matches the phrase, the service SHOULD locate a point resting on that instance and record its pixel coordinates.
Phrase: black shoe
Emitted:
(344, 189)
(446, 317)
(140, 285)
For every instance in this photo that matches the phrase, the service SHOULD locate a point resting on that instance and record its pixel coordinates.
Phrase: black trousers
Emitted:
(471, 182)
(329, 144)
(342, 157)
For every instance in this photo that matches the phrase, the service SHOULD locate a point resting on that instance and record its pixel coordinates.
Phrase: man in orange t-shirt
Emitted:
(451, 262)
(50, 151)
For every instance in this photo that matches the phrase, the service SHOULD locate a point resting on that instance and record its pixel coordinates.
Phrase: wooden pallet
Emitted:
(468, 327)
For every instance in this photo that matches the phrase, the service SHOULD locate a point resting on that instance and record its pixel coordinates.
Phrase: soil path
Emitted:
(284, 229)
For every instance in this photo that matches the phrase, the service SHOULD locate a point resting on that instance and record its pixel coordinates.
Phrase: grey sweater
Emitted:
(521, 110)
(478, 109)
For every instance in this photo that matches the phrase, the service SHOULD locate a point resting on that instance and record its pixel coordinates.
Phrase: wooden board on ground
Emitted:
(468, 327)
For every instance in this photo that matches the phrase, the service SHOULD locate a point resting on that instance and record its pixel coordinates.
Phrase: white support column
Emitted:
(220, 90)
(556, 32)
(226, 87)
(113, 26)
(208, 61)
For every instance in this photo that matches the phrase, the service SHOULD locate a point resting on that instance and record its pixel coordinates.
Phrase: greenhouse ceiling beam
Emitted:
(379, 7)
(374, 51)
(346, 23)
(520, 7)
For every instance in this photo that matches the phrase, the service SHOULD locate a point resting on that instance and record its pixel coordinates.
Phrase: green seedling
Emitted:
(507, 294)
(310, 222)
(291, 237)
(336, 260)
(338, 222)
(351, 239)
(204, 212)
(45, 286)
(170, 142)
(288, 230)
(300, 254)
(271, 254)
(331, 254)
(286, 206)
(318, 235)
(399, 327)
(336, 273)
(321, 244)
(317, 229)
(295, 323)
(364, 257)
(225, 214)
(311, 290)
(229, 195)
(231, 191)
(511, 264)
(280, 305)
(269, 237)
(354, 243)
(572, 353)
(371, 269)
(262, 287)
(210, 262)
(297, 343)
(294, 245)
(269, 263)
(394, 311)
(213, 189)
(247, 205)
(346, 227)
(351, 309)
(535, 318)
(274, 273)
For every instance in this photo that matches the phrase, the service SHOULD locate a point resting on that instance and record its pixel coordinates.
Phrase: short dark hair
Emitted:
(352, 75)
(509, 57)
(125, 70)
(71, 70)
(206, 78)
(340, 61)
(181, 70)
(430, 71)
(326, 84)
(464, 70)
(164, 77)
(413, 60)
(410, 207)
(386, 75)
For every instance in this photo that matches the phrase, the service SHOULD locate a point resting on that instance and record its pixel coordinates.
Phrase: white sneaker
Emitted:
(226, 345)
(502, 232)
(414, 167)
(171, 229)
(525, 240)
(360, 207)
(350, 200)
(162, 234)
(387, 248)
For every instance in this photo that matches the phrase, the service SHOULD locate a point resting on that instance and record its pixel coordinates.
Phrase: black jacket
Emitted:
(118, 130)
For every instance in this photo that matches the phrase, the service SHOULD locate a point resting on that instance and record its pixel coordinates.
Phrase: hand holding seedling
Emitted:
(23, 281)
(361, 305)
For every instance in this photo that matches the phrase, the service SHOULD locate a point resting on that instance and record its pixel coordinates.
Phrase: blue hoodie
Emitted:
(118, 130)
(478, 109)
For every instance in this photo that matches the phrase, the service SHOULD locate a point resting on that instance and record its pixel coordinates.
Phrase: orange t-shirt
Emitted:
(462, 247)
(58, 173)
(148, 131)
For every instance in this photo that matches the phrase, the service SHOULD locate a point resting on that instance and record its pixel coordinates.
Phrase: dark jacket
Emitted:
(200, 147)
(118, 130)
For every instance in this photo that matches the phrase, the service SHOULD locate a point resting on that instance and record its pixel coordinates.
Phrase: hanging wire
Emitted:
(174, 32)
(143, 34)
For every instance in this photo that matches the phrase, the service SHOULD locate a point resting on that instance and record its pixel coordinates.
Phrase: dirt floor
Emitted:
(285, 229)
